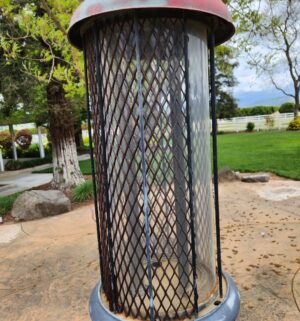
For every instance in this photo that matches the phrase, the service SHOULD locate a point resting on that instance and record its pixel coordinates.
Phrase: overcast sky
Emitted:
(253, 90)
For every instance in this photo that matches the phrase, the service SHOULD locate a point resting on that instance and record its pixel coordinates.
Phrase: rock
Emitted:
(38, 204)
(258, 178)
(228, 175)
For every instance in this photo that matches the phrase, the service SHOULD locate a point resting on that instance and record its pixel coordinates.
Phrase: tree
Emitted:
(225, 81)
(41, 47)
(276, 25)
(16, 99)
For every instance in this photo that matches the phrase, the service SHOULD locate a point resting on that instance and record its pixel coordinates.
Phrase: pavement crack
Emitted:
(23, 230)
(293, 289)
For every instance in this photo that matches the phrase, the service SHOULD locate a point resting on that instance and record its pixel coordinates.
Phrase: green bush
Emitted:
(32, 152)
(286, 108)
(83, 192)
(7, 202)
(250, 127)
(258, 110)
(23, 138)
(13, 165)
(5, 141)
(294, 124)
(86, 141)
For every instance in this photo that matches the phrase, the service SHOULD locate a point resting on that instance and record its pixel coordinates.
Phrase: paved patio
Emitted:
(22, 182)
(48, 267)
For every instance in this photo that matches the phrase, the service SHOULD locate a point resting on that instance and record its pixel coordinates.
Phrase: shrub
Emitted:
(13, 165)
(86, 141)
(294, 124)
(83, 192)
(286, 108)
(23, 138)
(48, 149)
(250, 127)
(270, 122)
(5, 141)
(32, 152)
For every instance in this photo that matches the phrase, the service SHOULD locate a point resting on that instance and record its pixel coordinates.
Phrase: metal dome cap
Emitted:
(92, 8)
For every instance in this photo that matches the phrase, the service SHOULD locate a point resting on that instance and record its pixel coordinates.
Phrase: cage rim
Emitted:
(221, 20)
(228, 310)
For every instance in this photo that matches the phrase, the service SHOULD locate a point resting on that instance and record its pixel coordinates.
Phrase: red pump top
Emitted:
(91, 8)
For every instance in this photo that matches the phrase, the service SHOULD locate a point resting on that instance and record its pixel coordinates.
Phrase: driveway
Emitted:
(49, 267)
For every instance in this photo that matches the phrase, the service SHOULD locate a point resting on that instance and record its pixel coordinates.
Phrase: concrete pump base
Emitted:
(227, 310)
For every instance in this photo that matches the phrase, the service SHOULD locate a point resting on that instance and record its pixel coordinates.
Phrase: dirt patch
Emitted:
(51, 266)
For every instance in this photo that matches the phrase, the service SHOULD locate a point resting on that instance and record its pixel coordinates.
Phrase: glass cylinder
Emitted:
(148, 81)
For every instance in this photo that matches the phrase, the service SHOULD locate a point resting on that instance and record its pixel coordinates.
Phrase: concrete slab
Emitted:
(20, 183)
(50, 267)
(9, 233)
(280, 190)
(9, 174)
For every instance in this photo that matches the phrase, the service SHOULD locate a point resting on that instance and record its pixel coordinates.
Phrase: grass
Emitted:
(6, 203)
(85, 167)
(83, 192)
(275, 152)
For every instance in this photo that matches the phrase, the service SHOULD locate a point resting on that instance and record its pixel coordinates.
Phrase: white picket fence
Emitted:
(239, 124)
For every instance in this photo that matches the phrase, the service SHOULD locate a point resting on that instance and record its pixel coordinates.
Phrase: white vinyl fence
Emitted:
(262, 122)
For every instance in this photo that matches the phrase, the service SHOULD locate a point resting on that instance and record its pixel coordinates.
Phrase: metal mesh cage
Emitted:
(149, 91)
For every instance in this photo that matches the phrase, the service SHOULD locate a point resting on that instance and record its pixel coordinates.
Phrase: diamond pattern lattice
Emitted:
(121, 194)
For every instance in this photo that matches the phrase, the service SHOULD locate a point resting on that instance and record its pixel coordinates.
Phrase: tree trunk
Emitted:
(78, 135)
(14, 147)
(66, 169)
(297, 103)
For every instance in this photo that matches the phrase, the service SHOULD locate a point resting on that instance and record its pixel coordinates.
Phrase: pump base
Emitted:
(227, 310)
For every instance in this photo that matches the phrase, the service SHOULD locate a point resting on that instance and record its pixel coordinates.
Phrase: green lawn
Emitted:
(276, 152)
(6, 203)
(85, 167)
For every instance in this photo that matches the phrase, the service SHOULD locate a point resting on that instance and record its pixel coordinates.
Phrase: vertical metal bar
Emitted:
(105, 165)
(215, 157)
(178, 144)
(144, 166)
(190, 169)
(88, 114)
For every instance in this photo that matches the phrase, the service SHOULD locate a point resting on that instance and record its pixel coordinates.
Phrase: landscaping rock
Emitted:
(38, 204)
(228, 175)
(258, 178)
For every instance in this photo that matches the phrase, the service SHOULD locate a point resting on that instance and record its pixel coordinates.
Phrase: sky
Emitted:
(253, 90)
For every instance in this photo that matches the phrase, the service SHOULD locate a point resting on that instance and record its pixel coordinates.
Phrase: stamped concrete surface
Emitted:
(49, 267)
